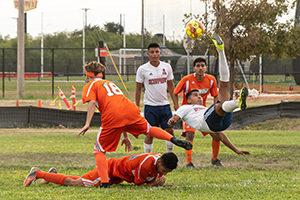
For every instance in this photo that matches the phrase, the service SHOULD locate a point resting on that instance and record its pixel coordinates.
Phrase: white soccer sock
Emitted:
(223, 66)
(230, 106)
(148, 148)
(170, 146)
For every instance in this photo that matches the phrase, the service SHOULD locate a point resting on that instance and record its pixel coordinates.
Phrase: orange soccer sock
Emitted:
(54, 178)
(158, 133)
(215, 149)
(102, 167)
(189, 155)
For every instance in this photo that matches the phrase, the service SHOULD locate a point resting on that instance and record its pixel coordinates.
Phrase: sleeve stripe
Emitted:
(87, 94)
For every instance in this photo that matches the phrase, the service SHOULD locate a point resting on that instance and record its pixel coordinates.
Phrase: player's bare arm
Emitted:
(89, 117)
(171, 91)
(126, 142)
(223, 137)
(215, 99)
(172, 121)
(138, 92)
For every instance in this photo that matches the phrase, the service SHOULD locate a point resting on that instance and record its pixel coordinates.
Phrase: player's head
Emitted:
(166, 163)
(194, 97)
(94, 69)
(200, 66)
(153, 52)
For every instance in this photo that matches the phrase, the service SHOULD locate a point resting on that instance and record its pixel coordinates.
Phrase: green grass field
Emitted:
(270, 172)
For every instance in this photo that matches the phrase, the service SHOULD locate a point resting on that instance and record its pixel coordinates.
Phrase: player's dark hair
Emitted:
(199, 60)
(190, 93)
(169, 160)
(153, 45)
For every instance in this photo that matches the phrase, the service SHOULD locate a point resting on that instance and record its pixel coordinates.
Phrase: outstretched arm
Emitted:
(227, 142)
(172, 121)
(89, 117)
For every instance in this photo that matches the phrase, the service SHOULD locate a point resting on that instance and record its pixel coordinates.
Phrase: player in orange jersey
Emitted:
(118, 114)
(140, 169)
(205, 84)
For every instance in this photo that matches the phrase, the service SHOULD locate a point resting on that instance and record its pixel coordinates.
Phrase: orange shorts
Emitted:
(108, 138)
(186, 128)
(92, 178)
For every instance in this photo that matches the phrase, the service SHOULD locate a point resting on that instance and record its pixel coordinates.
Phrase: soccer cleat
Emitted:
(105, 185)
(31, 177)
(182, 143)
(218, 42)
(191, 166)
(243, 98)
(51, 170)
(217, 163)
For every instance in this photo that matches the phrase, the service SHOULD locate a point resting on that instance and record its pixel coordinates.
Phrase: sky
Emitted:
(68, 15)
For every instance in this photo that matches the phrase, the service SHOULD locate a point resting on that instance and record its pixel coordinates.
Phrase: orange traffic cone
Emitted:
(39, 104)
(18, 103)
(26, 78)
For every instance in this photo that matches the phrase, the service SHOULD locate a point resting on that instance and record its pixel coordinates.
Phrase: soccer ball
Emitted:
(194, 29)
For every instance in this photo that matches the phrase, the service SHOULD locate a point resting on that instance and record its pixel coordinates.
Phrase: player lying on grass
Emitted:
(118, 115)
(141, 169)
(218, 116)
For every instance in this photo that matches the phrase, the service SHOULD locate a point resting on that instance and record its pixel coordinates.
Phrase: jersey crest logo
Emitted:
(203, 91)
(193, 82)
(164, 72)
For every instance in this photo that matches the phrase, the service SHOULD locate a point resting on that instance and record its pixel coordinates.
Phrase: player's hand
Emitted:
(243, 152)
(128, 145)
(160, 181)
(83, 130)
(171, 122)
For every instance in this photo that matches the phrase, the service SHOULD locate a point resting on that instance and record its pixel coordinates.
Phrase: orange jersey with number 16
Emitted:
(116, 110)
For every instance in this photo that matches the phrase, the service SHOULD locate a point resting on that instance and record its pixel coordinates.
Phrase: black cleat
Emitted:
(105, 185)
(182, 143)
(217, 163)
(191, 166)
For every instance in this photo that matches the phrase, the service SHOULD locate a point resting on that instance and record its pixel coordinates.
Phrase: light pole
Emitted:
(83, 35)
(142, 33)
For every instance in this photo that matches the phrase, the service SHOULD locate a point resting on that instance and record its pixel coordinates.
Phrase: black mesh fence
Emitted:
(22, 117)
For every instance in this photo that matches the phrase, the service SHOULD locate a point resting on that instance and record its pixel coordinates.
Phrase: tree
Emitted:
(296, 61)
(251, 27)
(113, 27)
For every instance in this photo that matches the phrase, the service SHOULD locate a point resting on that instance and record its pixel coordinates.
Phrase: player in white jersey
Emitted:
(217, 117)
(157, 77)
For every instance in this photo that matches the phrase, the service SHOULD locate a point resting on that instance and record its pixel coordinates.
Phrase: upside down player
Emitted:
(140, 169)
(206, 84)
(217, 117)
(118, 114)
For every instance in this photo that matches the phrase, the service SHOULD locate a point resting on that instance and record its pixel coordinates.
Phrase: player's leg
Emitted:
(102, 168)
(51, 170)
(165, 115)
(107, 140)
(151, 116)
(215, 143)
(225, 105)
(189, 134)
(143, 127)
(36, 173)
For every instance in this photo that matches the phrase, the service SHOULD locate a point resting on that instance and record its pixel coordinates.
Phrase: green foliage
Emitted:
(270, 172)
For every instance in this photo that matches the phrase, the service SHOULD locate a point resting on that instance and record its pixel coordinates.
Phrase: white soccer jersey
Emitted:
(193, 115)
(155, 82)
